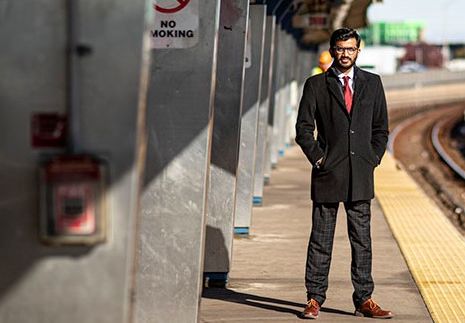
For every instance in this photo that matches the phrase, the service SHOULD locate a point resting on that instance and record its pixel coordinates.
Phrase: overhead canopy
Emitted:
(311, 22)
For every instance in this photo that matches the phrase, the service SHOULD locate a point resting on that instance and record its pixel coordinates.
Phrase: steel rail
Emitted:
(442, 152)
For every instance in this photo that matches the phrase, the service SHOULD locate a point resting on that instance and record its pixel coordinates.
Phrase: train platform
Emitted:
(266, 282)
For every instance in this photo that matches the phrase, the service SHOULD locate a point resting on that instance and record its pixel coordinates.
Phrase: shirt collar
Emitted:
(341, 75)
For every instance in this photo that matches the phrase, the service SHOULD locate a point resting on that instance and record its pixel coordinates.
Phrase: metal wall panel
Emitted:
(45, 284)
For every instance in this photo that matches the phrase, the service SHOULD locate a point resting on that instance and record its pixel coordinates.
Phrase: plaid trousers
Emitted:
(320, 249)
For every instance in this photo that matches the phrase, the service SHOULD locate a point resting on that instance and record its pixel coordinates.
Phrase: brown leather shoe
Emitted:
(370, 309)
(312, 310)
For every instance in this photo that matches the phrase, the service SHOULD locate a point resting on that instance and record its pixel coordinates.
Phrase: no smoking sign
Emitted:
(176, 23)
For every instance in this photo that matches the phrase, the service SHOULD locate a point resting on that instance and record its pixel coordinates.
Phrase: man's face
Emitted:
(345, 54)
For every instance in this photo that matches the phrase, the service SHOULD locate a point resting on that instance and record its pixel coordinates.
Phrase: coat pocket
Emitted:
(374, 157)
(370, 159)
(325, 157)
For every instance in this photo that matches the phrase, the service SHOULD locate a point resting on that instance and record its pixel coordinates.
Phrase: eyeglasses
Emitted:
(350, 50)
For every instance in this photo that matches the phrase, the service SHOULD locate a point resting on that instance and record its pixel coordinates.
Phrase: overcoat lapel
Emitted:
(335, 90)
(360, 85)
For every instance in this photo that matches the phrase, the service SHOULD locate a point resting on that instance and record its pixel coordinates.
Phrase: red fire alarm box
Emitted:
(72, 199)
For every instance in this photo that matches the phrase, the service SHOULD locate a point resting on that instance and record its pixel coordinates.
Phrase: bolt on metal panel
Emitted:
(173, 203)
(249, 124)
(226, 137)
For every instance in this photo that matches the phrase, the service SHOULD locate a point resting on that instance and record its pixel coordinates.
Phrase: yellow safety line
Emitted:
(432, 247)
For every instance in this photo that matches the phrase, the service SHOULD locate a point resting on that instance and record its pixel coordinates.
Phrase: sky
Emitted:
(444, 19)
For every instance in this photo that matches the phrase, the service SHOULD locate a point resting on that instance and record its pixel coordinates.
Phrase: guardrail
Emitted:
(420, 79)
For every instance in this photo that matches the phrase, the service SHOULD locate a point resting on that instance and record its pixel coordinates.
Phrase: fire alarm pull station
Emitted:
(72, 198)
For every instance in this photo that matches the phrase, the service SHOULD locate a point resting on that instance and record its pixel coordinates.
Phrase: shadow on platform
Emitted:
(266, 303)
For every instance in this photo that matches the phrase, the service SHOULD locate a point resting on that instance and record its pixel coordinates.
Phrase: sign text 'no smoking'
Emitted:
(176, 23)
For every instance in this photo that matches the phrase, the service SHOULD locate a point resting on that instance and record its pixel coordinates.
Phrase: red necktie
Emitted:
(347, 94)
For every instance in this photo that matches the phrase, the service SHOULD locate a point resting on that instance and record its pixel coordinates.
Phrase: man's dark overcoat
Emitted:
(351, 145)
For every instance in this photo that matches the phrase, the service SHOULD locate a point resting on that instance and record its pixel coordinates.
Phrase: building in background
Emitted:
(388, 33)
(399, 46)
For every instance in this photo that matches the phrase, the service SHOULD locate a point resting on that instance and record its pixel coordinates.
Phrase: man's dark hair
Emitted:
(344, 34)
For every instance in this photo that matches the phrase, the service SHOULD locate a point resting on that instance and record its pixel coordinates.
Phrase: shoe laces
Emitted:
(313, 303)
(372, 304)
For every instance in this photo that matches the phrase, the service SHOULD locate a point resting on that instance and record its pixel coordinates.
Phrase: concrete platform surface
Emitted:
(267, 277)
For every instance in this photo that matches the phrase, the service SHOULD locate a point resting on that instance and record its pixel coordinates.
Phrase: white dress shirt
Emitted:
(341, 75)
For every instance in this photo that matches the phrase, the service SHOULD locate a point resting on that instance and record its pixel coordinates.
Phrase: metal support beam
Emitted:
(271, 157)
(173, 205)
(278, 89)
(226, 137)
(249, 124)
(264, 110)
(284, 98)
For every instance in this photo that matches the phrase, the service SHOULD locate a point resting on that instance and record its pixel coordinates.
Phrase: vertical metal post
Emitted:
(225, 142)
(284, 96)
(271, 142)
(292, 100)
(264, 110)
(277, 91)
(245, 174)
(173, 204)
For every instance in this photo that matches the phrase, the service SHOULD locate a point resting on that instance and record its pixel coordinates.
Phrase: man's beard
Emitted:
(348, 62)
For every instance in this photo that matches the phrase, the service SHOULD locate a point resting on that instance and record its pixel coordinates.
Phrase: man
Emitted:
(348, 107)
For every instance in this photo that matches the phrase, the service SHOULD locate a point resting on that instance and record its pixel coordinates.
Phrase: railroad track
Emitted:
(439, 138)
(423, 147)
